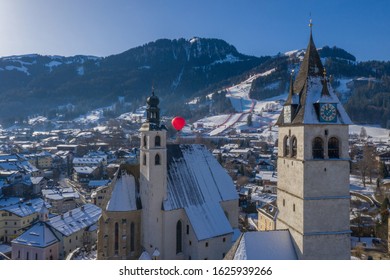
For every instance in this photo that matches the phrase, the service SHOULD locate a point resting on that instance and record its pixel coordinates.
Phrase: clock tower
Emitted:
(313, 165)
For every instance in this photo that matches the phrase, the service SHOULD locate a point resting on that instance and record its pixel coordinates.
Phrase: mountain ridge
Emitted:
(178, 69)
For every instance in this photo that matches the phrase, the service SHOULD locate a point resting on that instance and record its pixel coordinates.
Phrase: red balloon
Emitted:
(178, 123)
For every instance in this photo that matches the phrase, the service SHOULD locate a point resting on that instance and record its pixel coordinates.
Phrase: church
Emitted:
(177, 204)
(313, 174)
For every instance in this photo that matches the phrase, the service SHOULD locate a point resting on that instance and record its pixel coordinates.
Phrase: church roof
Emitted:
(124, 196)
(76, 219)
(311, 87)
(263, 245)
(39, 235)
(198, 183)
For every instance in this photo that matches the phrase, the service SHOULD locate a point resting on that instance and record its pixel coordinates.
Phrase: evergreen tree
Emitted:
(249, 120)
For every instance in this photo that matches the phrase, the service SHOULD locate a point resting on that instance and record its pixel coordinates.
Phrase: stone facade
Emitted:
(313, 166)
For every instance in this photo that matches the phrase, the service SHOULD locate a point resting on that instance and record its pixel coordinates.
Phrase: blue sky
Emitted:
(254, 27)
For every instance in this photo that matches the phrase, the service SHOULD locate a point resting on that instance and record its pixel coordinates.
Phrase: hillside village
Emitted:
(53, 182)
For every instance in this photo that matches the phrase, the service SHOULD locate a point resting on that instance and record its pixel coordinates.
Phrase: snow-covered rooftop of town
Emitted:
(39, 235)
(27, 208)
(60, 193)
(76, 219)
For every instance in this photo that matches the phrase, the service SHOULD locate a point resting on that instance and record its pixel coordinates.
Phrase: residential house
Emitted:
(17, 216)
(76, 228)
(85, 174)
(61, 199)
(39, 242)
(267, 216)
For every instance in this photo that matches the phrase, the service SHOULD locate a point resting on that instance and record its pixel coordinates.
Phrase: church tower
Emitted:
(153, 177)
(313, 164)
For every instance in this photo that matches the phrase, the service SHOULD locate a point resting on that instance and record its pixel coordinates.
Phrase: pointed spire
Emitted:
(291, 91)
(289, 100)
(325, 90)
(311, 65)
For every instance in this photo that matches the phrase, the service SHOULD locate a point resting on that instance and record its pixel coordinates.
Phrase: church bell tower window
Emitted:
(157, 141)
(318, 148)
(294, 147)
(286, 146)
(157, 160)
(145, 141)
(333, 148)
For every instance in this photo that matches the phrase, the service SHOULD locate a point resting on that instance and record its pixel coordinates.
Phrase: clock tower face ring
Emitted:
(328, 112)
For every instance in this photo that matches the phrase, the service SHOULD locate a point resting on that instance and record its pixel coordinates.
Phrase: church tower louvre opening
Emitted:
(313, 164)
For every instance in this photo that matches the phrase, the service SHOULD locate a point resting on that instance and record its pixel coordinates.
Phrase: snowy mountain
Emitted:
(180, 71)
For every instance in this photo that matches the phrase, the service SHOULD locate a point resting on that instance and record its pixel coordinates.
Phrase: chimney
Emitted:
(70, 213)
(62, 216)
(82, 208)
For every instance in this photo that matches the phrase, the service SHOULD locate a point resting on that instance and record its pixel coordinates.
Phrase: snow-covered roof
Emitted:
(36, 180)
(39, 235)
(9, 201)
(60, 193)
(198, 183)
(27, 208)
(309, 90)
(5, 249)
(84, 169)
(123, 197)
(145, 256)
(98, 183)
(315, 96)
(88, 160)
(76, 219)
(16, 162)
(265, 245)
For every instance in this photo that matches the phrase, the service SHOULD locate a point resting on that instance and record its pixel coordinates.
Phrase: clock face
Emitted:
(287, 114)
(328, 112)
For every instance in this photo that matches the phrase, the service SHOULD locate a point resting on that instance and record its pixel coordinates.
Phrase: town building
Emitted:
(38, 242)
(16, 215)
(56, 237)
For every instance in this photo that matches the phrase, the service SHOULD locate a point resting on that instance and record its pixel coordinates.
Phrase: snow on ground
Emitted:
(377, 133)
(214, 121)
(91, 117)
(343, 87)
(52, 64)
(239, 94)
(36, 120)
(356, 185)
(227, 124)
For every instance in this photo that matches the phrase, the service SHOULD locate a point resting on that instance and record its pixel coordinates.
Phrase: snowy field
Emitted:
(377, 133)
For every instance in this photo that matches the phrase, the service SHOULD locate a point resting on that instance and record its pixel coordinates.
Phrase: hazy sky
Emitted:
(254, 27)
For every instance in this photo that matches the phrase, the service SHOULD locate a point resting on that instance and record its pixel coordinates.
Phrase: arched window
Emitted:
(318, 148)
(294, 147)
(132, 237)
(286, 146)
(333, 148)
(157, 160)
(179, 237)
(145, 141)
(116, 237)
(157, 141)
(144, 160)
